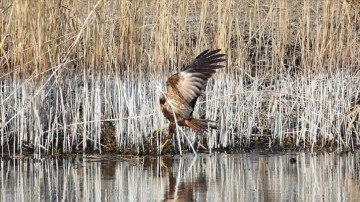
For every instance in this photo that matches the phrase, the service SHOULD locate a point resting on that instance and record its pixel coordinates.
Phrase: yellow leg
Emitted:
(164, 144)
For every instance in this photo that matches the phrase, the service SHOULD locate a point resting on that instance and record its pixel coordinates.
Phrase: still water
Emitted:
(216, 177)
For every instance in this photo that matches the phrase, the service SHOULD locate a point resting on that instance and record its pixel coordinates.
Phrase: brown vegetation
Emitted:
(67, 66)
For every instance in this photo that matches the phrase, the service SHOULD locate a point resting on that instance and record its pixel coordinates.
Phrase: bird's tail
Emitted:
(200, 125)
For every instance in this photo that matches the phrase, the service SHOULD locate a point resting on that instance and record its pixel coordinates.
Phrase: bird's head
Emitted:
(162, 99)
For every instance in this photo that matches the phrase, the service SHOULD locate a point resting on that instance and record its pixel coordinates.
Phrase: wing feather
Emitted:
(176, 99)
(198, 73)
(185, 87)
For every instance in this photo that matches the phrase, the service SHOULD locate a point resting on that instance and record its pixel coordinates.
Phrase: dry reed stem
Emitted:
(69, 66)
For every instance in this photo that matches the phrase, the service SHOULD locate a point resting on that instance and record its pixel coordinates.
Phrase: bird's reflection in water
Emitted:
(181, 186)
(108, 169)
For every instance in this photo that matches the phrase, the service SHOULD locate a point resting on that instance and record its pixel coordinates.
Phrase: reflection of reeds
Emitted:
(291, 77)
(240, 177)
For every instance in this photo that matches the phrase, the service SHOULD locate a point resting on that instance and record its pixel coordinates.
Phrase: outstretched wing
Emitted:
(185, 87)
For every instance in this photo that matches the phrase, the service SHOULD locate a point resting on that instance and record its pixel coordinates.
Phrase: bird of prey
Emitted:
(183, 89)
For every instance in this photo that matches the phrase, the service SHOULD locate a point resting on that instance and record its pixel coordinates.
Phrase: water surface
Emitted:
(216, 177)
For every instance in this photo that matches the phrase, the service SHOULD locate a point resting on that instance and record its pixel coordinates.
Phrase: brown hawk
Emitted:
(183, 89)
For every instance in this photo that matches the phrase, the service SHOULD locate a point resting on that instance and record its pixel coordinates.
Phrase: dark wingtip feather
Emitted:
(202, 54)
(207, 59)
(214, 51)
(207, 53)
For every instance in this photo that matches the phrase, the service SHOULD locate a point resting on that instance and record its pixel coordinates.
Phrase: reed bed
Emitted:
(86, 76)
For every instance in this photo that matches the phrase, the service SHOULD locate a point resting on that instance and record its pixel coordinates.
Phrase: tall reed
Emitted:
(70, 67)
